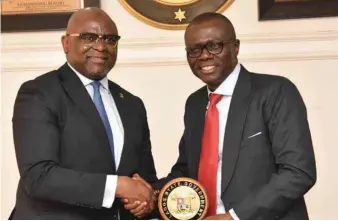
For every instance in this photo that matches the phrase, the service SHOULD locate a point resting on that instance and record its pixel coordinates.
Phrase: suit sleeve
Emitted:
(147, 169)
(37, 144)
(294, 156)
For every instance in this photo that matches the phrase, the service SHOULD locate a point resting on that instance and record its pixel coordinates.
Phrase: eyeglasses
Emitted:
(91, 38)
(213, 47)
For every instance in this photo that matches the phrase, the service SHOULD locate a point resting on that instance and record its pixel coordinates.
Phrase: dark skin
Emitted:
(220, 66)
(137, 208)
(136, 192)
(94, 61)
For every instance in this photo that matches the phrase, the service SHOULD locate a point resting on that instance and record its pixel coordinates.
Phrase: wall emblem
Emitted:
(172, 14)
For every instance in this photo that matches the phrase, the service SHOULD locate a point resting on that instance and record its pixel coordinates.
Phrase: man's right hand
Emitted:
(137, 208)
(134, 190)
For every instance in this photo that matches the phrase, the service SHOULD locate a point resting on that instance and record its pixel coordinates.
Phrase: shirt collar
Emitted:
(228, 85)
(86, 81)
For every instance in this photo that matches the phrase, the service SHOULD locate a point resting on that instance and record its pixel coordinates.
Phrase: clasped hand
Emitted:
(137, 195)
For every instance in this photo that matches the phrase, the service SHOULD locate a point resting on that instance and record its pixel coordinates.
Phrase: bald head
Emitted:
(212, 48)
(218, 19)
(88, 15)
(90, 43)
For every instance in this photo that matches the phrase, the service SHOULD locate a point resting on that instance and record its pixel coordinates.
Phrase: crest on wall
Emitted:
(172, 14)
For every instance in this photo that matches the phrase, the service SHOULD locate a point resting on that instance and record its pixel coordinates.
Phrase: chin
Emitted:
(208, 78)
(96, 75)
(211, 82)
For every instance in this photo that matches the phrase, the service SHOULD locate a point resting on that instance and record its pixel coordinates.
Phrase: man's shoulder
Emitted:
(122, 92)
(201, 92)
(43, 82)
(263, 79)
(270, 81)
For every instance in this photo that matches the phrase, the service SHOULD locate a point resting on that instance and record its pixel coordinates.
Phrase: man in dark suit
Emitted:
(79, 137)
(246, 136)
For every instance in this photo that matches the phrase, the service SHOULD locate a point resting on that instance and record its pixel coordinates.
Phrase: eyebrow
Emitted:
(209, 41)
(98, 33)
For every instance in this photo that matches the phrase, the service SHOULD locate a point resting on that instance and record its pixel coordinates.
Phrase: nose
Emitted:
(99, 44)
(205, 54)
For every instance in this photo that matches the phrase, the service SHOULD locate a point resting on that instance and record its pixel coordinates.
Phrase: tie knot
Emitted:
(214, 98)
(96, 85)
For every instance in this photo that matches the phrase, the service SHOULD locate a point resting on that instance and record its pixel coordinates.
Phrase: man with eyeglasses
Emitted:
(246, 136)
(79, 137)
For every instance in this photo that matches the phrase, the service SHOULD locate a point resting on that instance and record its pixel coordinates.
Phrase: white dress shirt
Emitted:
(116, 127)
(226, 89)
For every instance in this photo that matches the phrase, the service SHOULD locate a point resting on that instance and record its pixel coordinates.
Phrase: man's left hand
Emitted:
(225, 216)
(137, 208)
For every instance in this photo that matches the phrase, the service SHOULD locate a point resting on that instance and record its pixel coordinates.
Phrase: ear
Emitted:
(65, 44)
(237, 44)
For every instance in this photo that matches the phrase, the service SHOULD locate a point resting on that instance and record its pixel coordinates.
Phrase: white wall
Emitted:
(1, 146)
(152, 64)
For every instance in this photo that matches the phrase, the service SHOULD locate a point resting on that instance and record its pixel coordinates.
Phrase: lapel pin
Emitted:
(121, 95)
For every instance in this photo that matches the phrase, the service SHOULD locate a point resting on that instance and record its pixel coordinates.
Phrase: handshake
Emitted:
(136, 194)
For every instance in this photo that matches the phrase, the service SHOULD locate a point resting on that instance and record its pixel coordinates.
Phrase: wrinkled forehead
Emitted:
(99, 27)
(201, 33)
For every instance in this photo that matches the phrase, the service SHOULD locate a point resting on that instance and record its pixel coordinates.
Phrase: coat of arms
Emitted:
(184, 203)
(183, 198)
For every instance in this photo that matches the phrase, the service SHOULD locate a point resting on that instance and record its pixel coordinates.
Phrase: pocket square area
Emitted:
(254, 135)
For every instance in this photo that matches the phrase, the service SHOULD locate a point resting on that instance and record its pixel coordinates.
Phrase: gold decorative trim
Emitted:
(175, 4)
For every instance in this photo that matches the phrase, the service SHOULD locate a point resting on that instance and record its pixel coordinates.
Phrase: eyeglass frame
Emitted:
(204, 46)
(98, 37)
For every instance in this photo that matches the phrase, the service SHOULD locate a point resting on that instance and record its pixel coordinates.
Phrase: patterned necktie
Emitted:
(207, 173)
(100, 108)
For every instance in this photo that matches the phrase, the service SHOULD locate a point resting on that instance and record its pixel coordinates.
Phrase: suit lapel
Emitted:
(198, 118)
(240, 103)
(79, 95)
(124, 112)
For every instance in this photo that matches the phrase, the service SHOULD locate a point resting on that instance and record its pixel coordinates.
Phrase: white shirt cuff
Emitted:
(109, 191)
(233, 214)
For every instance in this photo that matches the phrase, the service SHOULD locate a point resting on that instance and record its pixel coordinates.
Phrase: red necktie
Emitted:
(207, 172)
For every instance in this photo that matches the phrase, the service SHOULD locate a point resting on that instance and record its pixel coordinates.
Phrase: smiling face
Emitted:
(211, 68)
(93, 60)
